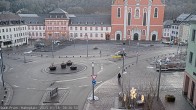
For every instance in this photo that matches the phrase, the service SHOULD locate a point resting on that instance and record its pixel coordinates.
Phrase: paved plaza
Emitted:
(29, 79)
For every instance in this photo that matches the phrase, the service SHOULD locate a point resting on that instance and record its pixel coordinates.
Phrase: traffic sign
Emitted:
(94, 82)
(93, 76)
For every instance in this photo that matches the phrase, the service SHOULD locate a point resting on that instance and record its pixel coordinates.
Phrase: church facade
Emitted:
(137, 20)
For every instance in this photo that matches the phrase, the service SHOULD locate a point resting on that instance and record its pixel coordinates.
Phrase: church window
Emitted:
(156, 13)
(118, 12)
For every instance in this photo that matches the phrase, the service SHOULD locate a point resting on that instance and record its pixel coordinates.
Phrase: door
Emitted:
(118, 37)
(192, 91)
(136, 36)
(153, 37)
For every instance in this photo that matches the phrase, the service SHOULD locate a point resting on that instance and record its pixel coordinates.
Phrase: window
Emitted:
(137, 13)
(190, 57)
(106, 28)
(91, 28)
(96, 35)
(80, 34)
(143, 32)
(156, 13)
(118, 13)
(144, 19)
(91, 35)
(85, 28)
(80, 28)
(2, 30)
(129, 32)
(102, 28)
(6, 30)
(76, 28)
(96, 28)
(39, 27)
(40, 34)
(0, 37)
(101, 35)
(3, 36)
(193, 35)
(10, 29)
(129, 18)
(70, 28)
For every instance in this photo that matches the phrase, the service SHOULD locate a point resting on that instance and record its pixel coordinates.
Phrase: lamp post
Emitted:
(2, 67)
(86, 45)
(123, 68)
(93, 79)
(24, 58)
(137, 52)
(52, 44)
(159, 80)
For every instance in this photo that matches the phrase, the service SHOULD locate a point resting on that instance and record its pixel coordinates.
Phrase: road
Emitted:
(30, 82)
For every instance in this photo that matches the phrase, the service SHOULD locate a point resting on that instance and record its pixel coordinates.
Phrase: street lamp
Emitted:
(86, 45)
(137, 52)
(123, 64)
(159, 80)
(52, 44)
(2, 67)
(93, 79)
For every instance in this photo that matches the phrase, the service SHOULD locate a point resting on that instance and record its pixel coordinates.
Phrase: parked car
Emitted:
(121, 53)
(39, 45)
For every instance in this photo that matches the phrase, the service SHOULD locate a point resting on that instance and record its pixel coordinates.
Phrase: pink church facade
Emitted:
(144, 20)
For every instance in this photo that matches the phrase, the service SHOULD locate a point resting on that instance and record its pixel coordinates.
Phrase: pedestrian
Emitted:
(119, 76)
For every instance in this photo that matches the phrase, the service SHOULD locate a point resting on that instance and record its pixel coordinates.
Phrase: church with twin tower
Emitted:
(137, 20)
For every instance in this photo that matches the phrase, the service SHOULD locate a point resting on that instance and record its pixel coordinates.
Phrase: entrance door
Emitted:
(153, 37)
(118, 37)
(192, 91)
(136, 36)
(107, 37)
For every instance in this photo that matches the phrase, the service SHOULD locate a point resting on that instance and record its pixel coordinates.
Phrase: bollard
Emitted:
(6, 92)
(5, 88)
(4, 96)
(66, 56)
(80, 56)
(73, 56)
(129, 65)
(2, 102)
(126, 67)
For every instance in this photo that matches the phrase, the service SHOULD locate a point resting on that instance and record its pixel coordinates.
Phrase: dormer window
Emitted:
(86, 22)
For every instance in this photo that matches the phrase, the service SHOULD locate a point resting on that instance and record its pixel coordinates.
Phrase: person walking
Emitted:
(119, 76)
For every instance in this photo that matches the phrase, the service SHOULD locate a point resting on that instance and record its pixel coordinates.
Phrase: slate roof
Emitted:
(58, 13)
(167, 23)
(90, 20)
(33, 20)
(4, 16)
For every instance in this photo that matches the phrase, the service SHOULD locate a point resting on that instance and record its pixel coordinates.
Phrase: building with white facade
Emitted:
(13, 31)
(92, 27)
(167, 31)
(36, 27)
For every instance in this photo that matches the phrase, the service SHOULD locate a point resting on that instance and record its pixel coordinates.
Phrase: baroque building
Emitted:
(137, 20)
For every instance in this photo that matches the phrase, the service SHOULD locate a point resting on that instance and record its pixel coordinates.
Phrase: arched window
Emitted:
(137, 13)
(144, 17)
(156, 13)
(129, 18)
(118, 13)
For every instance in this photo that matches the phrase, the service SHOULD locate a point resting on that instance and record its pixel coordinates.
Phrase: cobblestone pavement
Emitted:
(140, 78)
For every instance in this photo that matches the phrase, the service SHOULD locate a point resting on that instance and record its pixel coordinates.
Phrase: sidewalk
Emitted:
(108, 91)
(5, 94)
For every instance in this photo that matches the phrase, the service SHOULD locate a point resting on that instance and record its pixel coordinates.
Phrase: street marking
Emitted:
(149, 67)
(48, 89)
(99, 82)
(15, 86)
(30, 88)
(71, 79)
(100, 70)
(83, 86)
